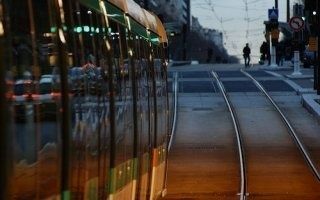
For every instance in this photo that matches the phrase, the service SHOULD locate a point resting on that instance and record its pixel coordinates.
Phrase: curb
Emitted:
(308, 101)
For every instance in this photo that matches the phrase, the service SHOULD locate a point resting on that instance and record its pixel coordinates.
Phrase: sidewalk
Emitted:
(302, 84)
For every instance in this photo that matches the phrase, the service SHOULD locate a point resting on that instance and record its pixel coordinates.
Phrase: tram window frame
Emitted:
(159, 78)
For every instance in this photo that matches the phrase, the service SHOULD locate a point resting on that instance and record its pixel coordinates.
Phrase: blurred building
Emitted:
(183, 30)
(208, 34)
(174, 13)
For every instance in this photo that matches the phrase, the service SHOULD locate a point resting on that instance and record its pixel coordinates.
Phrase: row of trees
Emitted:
(198, 48)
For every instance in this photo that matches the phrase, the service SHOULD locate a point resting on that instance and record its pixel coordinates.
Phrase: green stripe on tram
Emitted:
(115, 13)
(122, 175)
(138, 29)
(66, 195)
(135, 168)
(154, 38)
(113, 178)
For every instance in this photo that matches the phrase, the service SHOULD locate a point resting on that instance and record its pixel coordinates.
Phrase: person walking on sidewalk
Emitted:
(246, 55)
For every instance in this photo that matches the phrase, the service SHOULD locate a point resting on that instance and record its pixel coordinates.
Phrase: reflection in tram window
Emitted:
(35, 120)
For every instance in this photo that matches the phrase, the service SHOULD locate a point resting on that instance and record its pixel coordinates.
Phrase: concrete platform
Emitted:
(303, 85)
(310, 103)
(203, 162)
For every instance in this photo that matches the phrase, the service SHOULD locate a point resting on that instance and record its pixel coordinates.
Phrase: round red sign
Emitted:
(296, 23)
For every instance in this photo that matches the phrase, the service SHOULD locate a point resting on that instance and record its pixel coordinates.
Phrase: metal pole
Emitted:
(296, 64)
(276, 4)
(65, 128)
(273, 59)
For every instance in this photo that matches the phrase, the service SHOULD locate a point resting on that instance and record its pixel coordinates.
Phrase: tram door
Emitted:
(160, 141)
(90, 102)
(122, 163)
(143, 117)
(34, 98)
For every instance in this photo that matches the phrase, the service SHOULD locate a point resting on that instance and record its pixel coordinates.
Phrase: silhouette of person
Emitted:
(246, 55)
(209, 54)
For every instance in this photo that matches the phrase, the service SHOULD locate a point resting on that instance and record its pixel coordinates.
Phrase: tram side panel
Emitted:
(102, 164)
(160, 141)
(35, 101)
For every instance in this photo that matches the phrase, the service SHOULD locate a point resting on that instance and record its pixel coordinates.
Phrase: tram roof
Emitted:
(143, 17)
(161, 30)
(132, 9)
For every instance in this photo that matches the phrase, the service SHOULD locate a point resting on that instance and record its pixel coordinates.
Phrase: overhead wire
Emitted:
(248, 7)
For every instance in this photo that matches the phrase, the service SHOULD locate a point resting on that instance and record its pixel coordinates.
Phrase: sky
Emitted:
(231, 18)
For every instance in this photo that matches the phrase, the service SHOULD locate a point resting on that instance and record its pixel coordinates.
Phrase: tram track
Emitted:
(173, 128)
(245, 147)
(236, 125)
(202, 159)
(290, 128)
(175, 108)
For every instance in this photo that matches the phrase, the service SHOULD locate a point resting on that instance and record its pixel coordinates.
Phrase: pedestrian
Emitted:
(246, 55)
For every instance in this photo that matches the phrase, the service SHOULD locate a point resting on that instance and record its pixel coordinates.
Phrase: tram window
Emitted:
(89, 102)
(35, 116)
(160, 95)
(123, 91)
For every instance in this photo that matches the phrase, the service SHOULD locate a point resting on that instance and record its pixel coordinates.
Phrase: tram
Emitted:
(85, 108)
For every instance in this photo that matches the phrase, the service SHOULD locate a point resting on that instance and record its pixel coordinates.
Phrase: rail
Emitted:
(288, 125)
(173, 129)
(175, 104)
(236, 125)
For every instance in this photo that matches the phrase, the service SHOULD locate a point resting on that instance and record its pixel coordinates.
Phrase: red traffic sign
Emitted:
(296, 24)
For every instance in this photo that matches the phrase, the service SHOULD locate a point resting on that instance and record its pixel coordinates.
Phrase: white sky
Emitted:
(233, 14)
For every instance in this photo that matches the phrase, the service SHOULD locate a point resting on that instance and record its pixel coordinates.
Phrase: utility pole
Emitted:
(288, 10)
(272, 27)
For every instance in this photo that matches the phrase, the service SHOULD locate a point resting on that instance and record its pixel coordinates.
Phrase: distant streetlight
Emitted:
(314, 12)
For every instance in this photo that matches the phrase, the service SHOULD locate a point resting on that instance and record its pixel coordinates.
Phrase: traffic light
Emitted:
(272, 25)
(272, 28)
